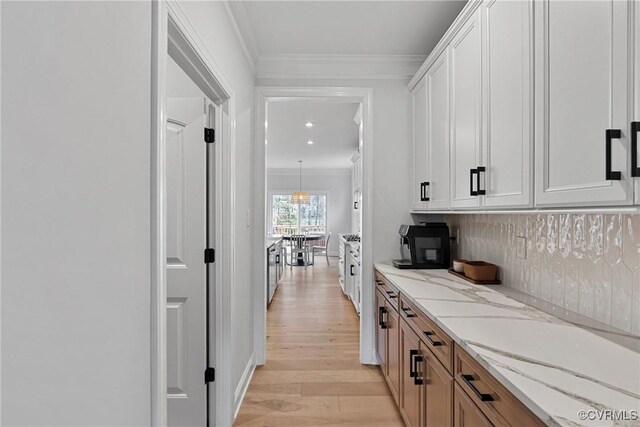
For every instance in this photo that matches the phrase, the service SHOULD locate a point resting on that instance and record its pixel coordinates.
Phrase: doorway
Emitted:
(191, 215)
(265, 98)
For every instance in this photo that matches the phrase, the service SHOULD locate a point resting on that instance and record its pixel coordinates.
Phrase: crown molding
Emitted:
(309, 172)
(463, 16)
(339, 66)
(242, 26)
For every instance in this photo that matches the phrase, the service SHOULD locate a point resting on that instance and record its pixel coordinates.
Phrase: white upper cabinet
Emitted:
(419, 184)
(437, 84)
(507, 103)
(583, 99)
(465, 144)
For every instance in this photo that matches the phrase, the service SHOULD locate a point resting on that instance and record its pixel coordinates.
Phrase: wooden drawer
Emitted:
(491, 397)
(387, 289)
(434, 338)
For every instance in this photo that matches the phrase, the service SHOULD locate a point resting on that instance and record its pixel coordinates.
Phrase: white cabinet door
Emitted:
(507, 100)
(437, 137)
(582, 90)
(466, 49)
(418, 186)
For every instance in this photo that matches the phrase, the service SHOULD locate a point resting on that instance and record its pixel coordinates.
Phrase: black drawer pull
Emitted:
(431, 341)
(481, 170)
(635, 129)
(424, 192)
(406, 310)
(379, 283)
(391, 294)
(472, 172)
(381, 312)
(609, 174)
(412, 354)
(468, 378)
(416, 378)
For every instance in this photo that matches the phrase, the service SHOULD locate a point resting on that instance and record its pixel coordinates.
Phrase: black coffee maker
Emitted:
(424, 246)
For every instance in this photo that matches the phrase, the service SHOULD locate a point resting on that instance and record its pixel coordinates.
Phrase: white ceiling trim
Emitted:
(339, 66)
(240, 20)
(309, 172)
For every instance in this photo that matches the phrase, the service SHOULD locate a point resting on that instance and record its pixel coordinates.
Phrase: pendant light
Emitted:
(300, 197)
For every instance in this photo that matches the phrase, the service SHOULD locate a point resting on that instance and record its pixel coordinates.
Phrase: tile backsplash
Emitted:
(585, 263)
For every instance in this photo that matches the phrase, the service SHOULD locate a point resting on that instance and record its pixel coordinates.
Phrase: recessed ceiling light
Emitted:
(309, 124)
(310, 142)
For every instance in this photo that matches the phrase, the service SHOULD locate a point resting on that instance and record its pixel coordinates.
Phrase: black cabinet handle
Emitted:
(467, 378)
(277, 258)
(381, 313)
(391, 294)
(427, 187)
(355, 205)
(351, 270)
(635, 129)
(416, 378)
(422, 191)
(431, 341)
(406, 311)
(472, 172)
(412, 354)
(609, 174)
(481, 170)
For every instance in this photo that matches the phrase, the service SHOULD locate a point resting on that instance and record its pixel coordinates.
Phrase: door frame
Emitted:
(173, 34)
(264, 95)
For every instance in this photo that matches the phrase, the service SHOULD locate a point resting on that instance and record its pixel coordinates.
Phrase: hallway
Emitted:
(313, 376)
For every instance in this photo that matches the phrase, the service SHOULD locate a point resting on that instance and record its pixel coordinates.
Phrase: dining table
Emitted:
(300, 261)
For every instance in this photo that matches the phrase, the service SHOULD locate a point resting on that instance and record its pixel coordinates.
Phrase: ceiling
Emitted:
(349, 27)
(334, 133)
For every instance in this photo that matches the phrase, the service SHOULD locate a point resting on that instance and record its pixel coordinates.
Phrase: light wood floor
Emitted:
(313, 376)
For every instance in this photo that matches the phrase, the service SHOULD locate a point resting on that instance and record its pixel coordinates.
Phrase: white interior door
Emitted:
(186, 271)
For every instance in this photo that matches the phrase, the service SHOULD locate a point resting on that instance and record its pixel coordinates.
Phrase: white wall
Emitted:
(339, 205)
(392, 146)
(75, 213)
(75, 152)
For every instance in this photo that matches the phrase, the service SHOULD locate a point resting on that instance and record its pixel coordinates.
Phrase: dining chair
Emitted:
(322, 249)
(299, 245)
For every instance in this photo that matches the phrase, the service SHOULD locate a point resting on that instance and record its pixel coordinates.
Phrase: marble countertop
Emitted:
(555, 367)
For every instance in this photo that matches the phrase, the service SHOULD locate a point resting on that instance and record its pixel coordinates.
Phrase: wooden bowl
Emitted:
(480, 270)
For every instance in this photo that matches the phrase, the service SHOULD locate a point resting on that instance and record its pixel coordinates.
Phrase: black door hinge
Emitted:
(209, 135)
(209, 256)
(209, 375)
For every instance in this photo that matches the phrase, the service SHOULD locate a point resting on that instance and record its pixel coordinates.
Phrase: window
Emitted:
(287, 218)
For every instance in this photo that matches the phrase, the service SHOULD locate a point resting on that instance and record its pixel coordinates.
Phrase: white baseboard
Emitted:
(243, 385)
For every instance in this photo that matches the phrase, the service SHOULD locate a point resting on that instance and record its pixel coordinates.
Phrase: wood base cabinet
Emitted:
(438, 391)
(434, 382)
(411, 381)
(467, 413)
(388, 334)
